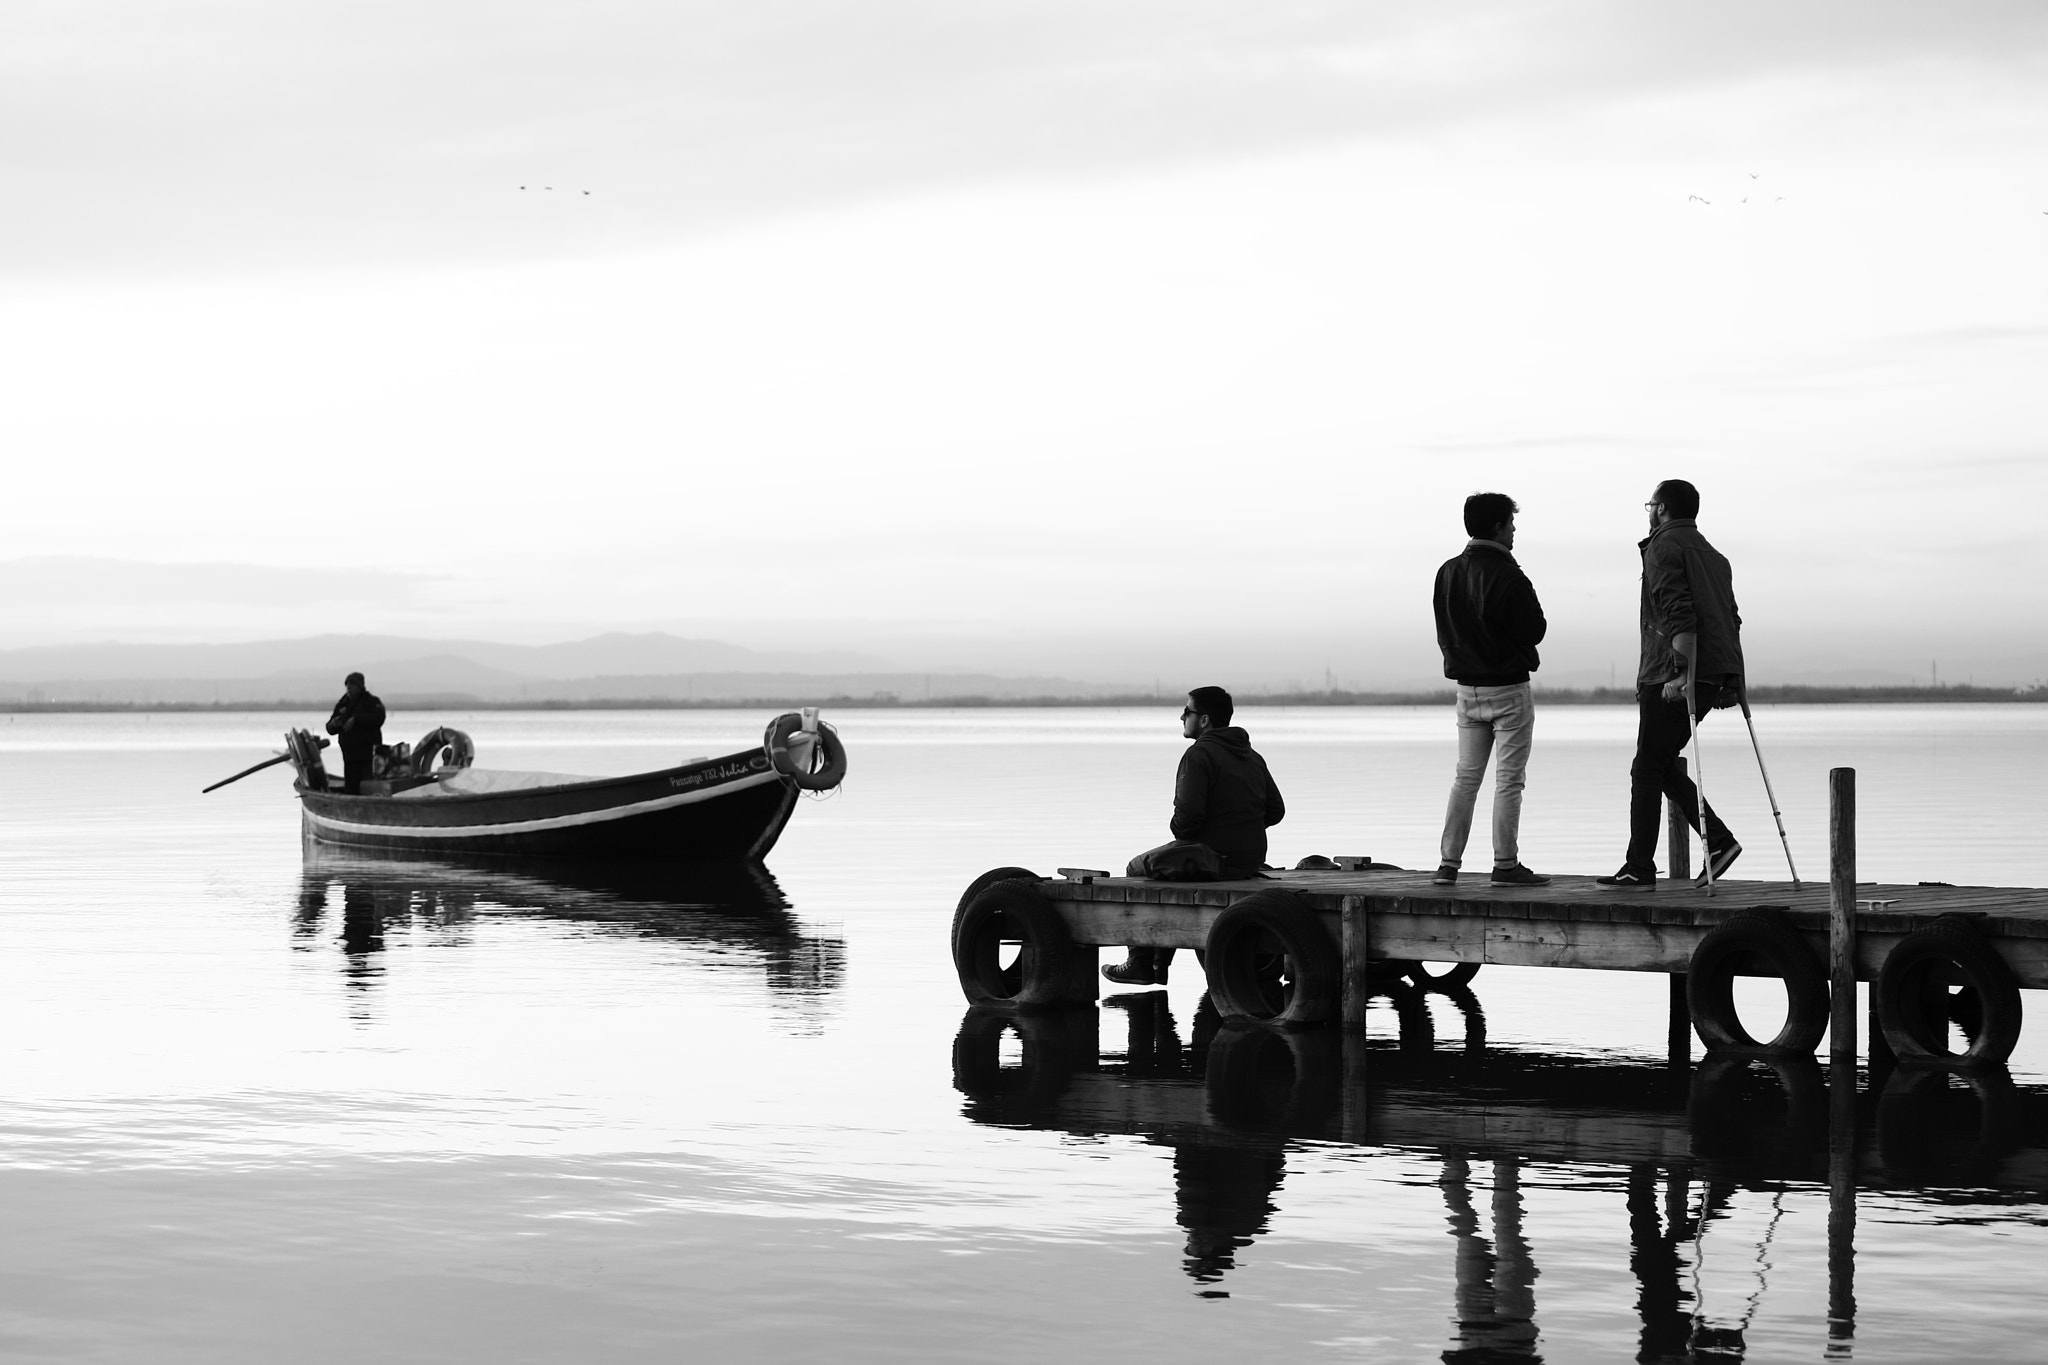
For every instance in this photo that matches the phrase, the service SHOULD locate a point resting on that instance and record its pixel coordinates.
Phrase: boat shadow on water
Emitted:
(1682, 1145)
(733, 910)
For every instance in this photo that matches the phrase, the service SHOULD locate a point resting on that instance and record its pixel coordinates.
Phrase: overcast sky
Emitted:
(988, 332)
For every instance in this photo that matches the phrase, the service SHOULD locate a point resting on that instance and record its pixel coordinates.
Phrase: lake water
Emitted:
(266, 1107)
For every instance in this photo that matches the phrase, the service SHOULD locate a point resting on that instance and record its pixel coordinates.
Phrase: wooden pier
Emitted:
(1312, 947)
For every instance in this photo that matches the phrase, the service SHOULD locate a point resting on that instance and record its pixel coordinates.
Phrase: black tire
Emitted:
(980, 884)
(1454, 975)
(1729, 1111)
(1013, 911)
(1245, 941)
(1267, 1080)
(1914, 1006)
(1052, 1048)
(1753, 938)
(1922, 1126)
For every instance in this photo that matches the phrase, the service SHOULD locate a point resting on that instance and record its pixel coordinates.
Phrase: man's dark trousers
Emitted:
(1662, 732)
(355, 765)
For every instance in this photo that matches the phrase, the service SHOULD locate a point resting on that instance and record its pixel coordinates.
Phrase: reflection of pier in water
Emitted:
(1684, 1141)
(734, 910)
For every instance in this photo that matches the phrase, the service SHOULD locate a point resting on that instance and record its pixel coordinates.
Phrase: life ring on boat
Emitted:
(1747, 940)
(1914, 1006)
(426, 755)
(1249, 939)
(1013, 911)
(816, 762)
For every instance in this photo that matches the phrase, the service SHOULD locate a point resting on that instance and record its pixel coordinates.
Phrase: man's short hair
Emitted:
(1680, 498)
(351, 678)
(1212, 702)
(1484, 511)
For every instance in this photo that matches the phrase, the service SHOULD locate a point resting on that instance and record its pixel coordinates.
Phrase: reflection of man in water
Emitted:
(358, 723)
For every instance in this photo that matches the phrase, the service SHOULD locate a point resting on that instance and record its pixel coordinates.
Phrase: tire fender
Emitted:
(1916, 974)
(1756, 936)
(1266, 924)
(1016, 911)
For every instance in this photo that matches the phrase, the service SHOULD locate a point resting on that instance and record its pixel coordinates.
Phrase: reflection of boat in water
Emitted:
(431, 800)
(735, 908)
(1240, 1103)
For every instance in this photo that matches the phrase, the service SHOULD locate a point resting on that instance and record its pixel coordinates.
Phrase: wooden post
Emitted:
(1677, 838)
(1842, 913)
(1678, 864)
(1357, 942)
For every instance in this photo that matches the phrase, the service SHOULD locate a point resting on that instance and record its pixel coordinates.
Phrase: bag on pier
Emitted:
(1183, 860)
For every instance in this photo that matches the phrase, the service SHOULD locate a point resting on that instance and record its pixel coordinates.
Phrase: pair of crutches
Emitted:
(1699, 763)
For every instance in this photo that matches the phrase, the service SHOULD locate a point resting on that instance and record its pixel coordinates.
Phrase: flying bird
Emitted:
(1692, 198)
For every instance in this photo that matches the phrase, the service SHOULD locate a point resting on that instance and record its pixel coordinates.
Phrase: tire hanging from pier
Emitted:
(1264, 930)
(1747, 939)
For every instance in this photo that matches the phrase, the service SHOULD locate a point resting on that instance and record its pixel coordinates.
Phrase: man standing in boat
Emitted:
(1488, 624)
(358, 725)
(1224, 797)
(1691, 653)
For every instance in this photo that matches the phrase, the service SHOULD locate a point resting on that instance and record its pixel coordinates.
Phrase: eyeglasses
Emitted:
(1187, 711)
(1651, 506)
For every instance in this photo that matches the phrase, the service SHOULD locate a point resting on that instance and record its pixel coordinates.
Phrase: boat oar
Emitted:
(266, 763)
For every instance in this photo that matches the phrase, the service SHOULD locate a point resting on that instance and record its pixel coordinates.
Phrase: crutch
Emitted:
(1699, 769)
(1743, 693)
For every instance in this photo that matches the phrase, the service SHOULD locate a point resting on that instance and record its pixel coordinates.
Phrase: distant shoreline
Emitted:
(1776, 695)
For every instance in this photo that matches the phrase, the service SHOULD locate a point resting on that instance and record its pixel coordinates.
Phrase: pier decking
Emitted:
(1573, 922)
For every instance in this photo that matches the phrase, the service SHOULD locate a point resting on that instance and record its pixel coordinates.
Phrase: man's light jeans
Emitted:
(1486, 715)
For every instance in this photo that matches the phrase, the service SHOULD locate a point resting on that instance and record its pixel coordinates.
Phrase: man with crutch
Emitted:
(1691, 653)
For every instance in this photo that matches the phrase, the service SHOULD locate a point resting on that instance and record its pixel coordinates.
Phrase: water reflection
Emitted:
(1707, 1156)
(734, 910)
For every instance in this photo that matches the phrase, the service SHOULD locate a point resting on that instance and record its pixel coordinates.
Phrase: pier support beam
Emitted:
(1842, 914)
(1678, 863)
(1357, 943)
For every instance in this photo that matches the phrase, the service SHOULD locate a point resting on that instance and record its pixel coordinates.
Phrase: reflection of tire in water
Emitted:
(1475, 1017)
(1757, 1109)
(1411, 1008)
(1264, 931)
(1751, 940)
(1012, 912)
(1266, 1080)
(1049, 1049)
(1932, 1120)
(1915, 1007)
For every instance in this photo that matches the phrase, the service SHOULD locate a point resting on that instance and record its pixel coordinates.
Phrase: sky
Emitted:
(1102, 339)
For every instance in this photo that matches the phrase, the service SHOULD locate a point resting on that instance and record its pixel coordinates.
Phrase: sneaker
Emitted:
(1518, 876)
(1720, 860)
(1445, 876)
(1630, 879)
(1136, 972)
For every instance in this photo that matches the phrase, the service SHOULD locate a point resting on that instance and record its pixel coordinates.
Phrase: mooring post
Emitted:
(1678, 862)
(1842, 914)
(1841, 1207)
(1356, 946)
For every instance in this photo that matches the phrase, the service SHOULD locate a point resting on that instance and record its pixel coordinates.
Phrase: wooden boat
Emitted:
(430, 799)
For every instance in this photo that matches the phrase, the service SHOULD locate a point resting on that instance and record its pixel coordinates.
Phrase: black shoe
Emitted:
(1518, 876)
(1720, 860)
(1445, 876)
(1134, 972)
(1630, 879)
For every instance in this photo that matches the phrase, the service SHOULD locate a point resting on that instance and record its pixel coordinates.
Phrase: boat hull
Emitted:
(730, 807)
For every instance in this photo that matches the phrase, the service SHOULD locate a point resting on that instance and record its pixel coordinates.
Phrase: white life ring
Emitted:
(814, 760)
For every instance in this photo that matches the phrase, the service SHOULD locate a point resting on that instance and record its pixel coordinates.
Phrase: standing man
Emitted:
(1691, 662)
(1488, 624)
(358, 723)
(1224, 797)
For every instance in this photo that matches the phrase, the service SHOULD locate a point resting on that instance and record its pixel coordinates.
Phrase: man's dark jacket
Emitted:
(1224, 797)
(1488, 621)
(1688, 586)
(367, 712)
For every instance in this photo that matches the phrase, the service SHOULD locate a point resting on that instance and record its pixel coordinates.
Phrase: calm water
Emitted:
(266, 1108)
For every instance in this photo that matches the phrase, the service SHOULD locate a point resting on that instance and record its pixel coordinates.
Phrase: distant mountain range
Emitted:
(612, 667)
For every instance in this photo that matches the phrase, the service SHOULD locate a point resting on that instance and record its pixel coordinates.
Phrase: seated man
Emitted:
(1224, 797)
